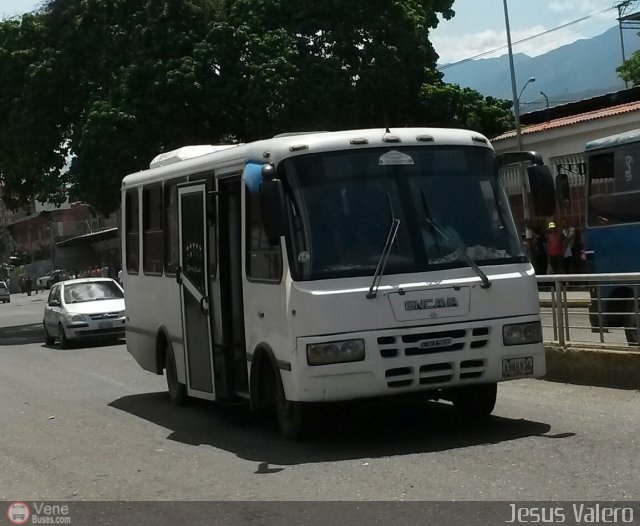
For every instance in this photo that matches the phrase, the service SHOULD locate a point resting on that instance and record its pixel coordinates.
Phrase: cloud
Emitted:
(454, 48)
(459, 47)
(575, 7)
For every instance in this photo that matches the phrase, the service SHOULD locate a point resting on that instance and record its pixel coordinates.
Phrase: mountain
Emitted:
(576, 71)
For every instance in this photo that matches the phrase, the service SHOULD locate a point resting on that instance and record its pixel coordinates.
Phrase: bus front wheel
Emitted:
(177, 390)
(291, 416)
(476, 401)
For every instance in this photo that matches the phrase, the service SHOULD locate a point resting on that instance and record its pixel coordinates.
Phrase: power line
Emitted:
(485, 53)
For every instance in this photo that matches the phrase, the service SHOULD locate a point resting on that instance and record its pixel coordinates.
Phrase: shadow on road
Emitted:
(34, 333)
(341, 432)
(21, 334)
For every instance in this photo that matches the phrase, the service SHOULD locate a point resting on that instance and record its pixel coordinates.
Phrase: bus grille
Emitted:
(433, 343)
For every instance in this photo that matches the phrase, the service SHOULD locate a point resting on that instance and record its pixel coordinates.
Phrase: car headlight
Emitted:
(522, 333)
(335, 352)
(77, 317)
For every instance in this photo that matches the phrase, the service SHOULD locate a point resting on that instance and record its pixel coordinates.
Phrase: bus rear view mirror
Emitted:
(543, 192)
(272, 208)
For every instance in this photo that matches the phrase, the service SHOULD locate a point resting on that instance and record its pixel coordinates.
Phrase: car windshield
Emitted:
(92, 291)
(446, 198)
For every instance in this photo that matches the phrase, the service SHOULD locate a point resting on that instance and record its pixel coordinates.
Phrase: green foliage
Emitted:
(630, 69)
(94, 89)
(452, 106)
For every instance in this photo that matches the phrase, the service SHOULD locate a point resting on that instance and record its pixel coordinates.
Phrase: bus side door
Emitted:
(192, 214)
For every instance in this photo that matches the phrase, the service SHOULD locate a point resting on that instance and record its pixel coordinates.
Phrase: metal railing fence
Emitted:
(593, 309)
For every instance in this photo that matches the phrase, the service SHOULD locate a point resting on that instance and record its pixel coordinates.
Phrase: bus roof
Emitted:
(289, 145)
(184, 153)
(613, 140)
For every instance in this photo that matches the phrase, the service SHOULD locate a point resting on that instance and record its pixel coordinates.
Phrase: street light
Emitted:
(531, 79)
(516, 112)
(545, 98)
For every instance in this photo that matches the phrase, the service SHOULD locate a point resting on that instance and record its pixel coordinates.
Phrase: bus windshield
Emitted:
(447, 199)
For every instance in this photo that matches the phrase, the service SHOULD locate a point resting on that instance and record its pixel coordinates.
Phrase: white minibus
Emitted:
(331, 266)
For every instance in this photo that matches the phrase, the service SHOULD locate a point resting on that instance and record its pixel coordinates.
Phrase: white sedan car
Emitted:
(81, 309)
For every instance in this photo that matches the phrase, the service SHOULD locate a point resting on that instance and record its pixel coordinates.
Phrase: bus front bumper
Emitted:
(417, 359)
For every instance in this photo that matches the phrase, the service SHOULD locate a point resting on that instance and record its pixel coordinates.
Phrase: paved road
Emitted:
(89, 424)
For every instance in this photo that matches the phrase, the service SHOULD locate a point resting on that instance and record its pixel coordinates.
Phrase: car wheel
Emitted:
(48, 339)
(177, 391)
(476, 402)
(64, 341)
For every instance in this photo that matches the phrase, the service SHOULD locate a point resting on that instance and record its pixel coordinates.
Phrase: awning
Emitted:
(87, 239)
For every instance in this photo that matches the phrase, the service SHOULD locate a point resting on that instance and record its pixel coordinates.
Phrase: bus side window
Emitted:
(152, 234)
(132, 243)
(171, 236)
(264, 260)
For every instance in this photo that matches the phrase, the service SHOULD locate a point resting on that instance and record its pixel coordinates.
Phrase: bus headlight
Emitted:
(335, 352)
(521, 333)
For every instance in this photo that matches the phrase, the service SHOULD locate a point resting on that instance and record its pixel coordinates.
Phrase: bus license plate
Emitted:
(517, 366)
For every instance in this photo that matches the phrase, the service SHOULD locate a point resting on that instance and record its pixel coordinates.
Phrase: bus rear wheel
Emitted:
(632, 321)
(177, 390)
(476, 401)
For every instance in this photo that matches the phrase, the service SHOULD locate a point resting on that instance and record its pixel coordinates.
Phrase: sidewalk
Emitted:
(576, 299)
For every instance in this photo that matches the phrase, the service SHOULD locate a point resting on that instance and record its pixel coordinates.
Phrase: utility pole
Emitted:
(516, 112)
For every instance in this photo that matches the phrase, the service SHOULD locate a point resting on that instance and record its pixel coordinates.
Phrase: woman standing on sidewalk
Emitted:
(555, 249)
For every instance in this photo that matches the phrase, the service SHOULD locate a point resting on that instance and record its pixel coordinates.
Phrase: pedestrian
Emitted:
(22, 284)
(555, 249)
(578, 248)
(539, 252)
(569, 234)
(29, 284)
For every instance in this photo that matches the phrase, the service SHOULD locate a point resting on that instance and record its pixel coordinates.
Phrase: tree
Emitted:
(94, 89)
(452, 106)
(630, 69)
(32, 135)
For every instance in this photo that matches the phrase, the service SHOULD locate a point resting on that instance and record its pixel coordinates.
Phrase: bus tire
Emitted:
(291, 416)
(48, 339)
(630, 322)
(177, 390)
(476, 401)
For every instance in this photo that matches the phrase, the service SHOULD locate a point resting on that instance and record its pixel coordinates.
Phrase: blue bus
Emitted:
(612, 229)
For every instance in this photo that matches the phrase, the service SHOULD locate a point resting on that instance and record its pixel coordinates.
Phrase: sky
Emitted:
(479, 25)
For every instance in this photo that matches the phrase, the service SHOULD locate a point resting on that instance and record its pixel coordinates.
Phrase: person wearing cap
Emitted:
(555, 248)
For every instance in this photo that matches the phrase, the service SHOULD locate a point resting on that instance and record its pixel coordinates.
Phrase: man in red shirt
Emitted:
(555, 249)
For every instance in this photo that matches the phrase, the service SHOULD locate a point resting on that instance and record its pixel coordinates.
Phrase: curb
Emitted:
(617, 368)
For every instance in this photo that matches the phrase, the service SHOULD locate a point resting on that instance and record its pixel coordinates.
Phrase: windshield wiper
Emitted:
(382, 262)
(461, 246)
